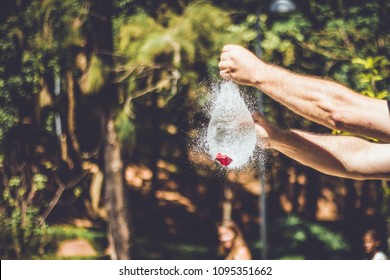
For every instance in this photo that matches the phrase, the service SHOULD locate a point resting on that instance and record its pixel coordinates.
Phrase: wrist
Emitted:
(260, 74)
(267, 135)
(275, 137)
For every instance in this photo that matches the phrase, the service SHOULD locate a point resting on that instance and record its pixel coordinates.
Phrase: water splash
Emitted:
(231, 130)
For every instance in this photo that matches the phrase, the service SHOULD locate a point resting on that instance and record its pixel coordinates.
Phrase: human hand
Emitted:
(240, 65)
(263, 130)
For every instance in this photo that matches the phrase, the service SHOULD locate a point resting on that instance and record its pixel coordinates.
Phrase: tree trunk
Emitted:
(116, 198)
(227, 203)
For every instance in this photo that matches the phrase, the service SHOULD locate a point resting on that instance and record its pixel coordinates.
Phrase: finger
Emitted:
(225, 56)
(224, 74)
(223, 65)
(228, 47)
(256, 115)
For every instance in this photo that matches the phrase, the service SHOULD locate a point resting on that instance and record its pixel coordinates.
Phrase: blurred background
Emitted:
(102, 104)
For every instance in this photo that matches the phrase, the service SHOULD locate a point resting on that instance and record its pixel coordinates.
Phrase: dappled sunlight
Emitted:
(166, 197)
(327, 209)
(285, 203)
(76, 248)
(248, 180)
(138, 177)
(171, 129)
(200, 158)
(253, 187)
(169, 167)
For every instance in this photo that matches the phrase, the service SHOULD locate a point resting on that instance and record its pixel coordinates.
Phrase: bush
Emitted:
(21, 236)
(294, 236)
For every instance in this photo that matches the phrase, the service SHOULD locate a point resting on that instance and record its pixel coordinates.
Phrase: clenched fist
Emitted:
(240, 65)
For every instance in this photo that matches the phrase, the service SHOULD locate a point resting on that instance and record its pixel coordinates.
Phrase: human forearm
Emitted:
(326, 102)
(342, 156)
(310, 97)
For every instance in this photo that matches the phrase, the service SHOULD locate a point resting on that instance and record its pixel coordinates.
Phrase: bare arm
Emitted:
(342, 156)
(243, 253)
(325, 102)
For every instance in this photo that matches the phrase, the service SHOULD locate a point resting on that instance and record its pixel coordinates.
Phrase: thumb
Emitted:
(262, 137)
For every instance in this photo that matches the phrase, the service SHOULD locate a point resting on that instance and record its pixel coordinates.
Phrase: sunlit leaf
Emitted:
(95, 76)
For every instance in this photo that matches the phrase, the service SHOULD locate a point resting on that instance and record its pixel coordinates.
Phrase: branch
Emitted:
(159, 85)
(345, 37)
(61, 188)
(72, 112)
(323, 53)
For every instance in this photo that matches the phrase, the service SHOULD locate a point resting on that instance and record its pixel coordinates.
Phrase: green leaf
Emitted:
(14, 181)
(95, 76)
(383, 94)
(39, 181)
(125, 129)
(77, 191)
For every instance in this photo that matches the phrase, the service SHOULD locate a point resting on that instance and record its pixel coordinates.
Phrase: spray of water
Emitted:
(229, 129)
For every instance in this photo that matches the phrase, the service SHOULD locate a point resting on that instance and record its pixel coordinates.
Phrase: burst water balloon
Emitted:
(231, 133)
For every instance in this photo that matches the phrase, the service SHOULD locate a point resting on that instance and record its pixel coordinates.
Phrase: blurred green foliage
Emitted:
(21, 235)
(371, 77)
(26, 238)
(295, 236)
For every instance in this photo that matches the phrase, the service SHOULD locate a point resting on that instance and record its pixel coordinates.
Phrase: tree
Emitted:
(31, 171)
(117, 202)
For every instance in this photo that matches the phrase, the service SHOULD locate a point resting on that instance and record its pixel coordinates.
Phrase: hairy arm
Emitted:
(342, 156)
(323, 101)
